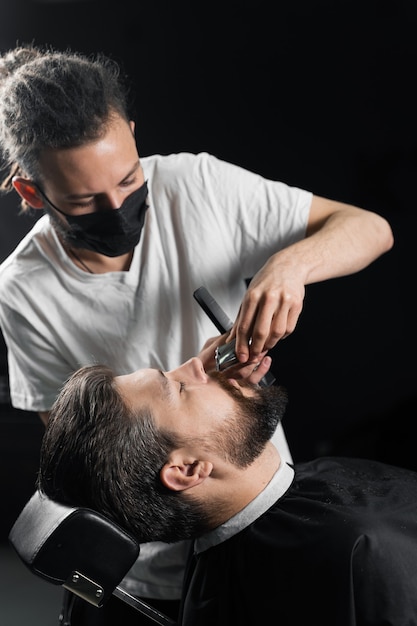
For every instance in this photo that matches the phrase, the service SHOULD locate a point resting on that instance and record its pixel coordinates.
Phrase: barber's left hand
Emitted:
(252, 371)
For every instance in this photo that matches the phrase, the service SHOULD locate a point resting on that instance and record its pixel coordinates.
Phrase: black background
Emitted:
(319, 94)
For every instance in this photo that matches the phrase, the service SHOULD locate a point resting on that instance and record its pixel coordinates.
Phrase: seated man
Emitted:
(188, 454)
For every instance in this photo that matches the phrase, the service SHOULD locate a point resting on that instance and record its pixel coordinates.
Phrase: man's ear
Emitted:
(179, 475)
(28, 191)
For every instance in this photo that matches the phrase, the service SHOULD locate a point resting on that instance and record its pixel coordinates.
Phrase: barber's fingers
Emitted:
(260, 370)
(271, 327)
(261, 324)
(252, 372)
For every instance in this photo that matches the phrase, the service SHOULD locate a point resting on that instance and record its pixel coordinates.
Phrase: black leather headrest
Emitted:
(73, 547)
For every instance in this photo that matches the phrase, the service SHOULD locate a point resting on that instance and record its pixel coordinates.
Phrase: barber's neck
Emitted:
(96, 263)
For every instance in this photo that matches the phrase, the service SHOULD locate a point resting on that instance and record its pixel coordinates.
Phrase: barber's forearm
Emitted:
(341, 239)
(347, 242)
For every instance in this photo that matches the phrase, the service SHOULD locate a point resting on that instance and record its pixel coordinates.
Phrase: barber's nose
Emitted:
(109, 201)
(192, 370)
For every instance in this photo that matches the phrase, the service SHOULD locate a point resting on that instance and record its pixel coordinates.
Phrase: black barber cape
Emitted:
(338, 549)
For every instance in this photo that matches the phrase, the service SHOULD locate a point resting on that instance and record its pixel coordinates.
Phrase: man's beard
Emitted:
(254, 421)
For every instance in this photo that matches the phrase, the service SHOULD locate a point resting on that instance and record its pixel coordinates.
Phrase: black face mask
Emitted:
(111, 232)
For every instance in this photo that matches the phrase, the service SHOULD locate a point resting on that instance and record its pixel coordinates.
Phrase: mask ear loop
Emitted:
(45, 197)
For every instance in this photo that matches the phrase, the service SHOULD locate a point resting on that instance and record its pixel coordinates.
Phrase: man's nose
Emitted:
(192, 370)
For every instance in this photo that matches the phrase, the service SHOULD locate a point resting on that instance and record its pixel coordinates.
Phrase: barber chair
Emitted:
(81, 550)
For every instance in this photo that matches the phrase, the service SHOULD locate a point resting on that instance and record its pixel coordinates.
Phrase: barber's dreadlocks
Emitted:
(53, 99)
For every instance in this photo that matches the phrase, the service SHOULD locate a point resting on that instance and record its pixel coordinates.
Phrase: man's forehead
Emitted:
(140, 375)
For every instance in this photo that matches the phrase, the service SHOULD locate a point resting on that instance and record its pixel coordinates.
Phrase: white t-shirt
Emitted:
(209, 223)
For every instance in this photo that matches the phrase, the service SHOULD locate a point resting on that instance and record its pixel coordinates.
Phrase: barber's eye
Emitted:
(84, 205)
(128, 182)
(82, 208)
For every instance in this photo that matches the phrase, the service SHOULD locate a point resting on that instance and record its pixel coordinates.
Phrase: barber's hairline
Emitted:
(36, 153)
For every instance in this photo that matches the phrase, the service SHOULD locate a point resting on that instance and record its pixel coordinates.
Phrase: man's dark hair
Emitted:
(97, 453)
(52, 99)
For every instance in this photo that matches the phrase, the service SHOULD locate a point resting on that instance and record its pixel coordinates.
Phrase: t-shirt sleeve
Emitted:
(261, 216)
